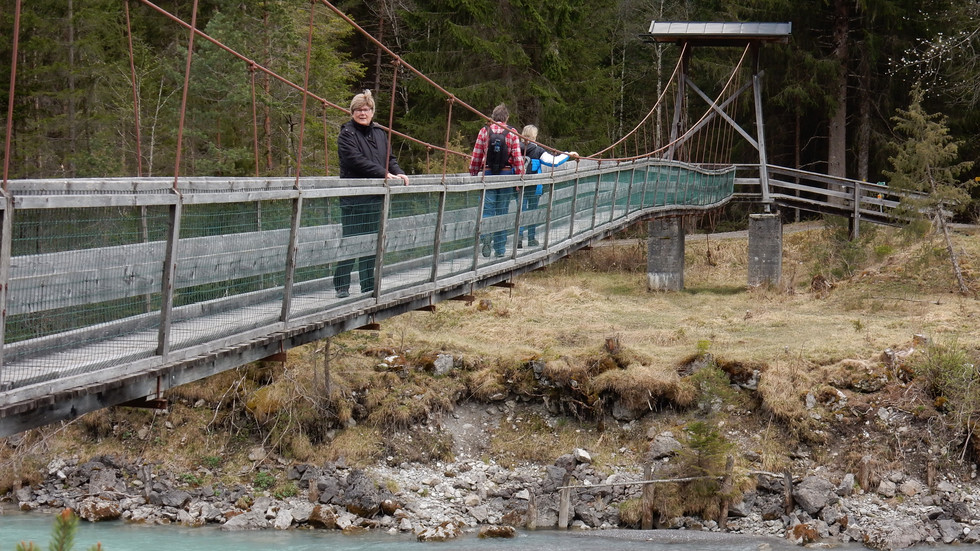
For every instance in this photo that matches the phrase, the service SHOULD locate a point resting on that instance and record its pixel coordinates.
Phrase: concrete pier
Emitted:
(765, 249)
(665, 254)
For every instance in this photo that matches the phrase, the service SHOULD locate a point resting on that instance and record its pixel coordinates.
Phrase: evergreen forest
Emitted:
(99, 88)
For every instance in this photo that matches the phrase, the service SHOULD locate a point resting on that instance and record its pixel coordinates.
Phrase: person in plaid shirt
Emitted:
(497, 201)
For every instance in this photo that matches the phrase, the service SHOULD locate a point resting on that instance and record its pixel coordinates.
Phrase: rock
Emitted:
(301, 511)
(814, 493)
(497, 532)
(323, 517)
(960, 512)
(910, 488)
(950, 530)
(446, 531)
(283, 520)
(175, 498)
(256, 454)
(523, 494)
(887, 488)
(443, 364)
(251, 520)
(846, 486)
(480, 513)
(664, 445)
(329, 490)
(582, 456)
(95, 510)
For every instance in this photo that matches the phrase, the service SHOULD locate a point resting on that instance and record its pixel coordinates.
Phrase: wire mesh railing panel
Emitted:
(562, 203)
(232, 257)
(585, 203)
(354, 254)
(609, 187)
(75, 275)
(410, 240)
(316, 246)
(534, 213)
(623, 194)
(458, 240)
(498, 224)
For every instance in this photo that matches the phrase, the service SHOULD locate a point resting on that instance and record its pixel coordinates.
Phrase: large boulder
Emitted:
(814, 493)
(95, 509)
(363, 496)
(251, 520)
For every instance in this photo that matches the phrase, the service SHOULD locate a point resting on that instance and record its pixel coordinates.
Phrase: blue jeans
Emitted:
(530, 203)
(497, 202)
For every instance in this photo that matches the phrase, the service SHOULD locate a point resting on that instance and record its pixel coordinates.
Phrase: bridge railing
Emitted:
(819, 193)
(107, 276)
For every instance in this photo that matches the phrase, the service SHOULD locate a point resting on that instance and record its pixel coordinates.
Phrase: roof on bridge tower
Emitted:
(718, 33)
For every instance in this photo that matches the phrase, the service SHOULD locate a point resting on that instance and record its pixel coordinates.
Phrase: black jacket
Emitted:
(362, 151)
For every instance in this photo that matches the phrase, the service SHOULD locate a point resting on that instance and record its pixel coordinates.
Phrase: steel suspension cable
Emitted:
(306, 95)
(136, 99)
(10, 98)
(255, 120)
(183, 102)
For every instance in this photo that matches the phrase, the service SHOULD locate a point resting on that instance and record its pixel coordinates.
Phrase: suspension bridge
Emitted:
(115, 290)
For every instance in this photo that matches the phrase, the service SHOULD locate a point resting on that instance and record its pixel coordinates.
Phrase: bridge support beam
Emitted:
(765, 249)
(665, 254)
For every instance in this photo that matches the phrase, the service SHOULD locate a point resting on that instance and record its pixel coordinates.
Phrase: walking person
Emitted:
(535, 159)
(362, 146)
(497, 151)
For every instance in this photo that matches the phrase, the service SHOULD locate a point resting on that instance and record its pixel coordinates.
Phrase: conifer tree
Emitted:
(927, 162)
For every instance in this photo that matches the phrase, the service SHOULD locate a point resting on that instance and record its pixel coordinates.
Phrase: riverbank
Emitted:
(431, 427)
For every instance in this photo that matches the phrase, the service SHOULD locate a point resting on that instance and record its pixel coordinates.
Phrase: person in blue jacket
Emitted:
(362, 147)
(536, 158)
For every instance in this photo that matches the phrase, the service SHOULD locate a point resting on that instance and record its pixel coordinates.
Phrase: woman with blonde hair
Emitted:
(364, 153)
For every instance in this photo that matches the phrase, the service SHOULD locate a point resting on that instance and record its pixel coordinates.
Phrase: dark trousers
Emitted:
(360, 219)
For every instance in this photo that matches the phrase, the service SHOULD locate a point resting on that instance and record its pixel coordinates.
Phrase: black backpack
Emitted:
(498, 154)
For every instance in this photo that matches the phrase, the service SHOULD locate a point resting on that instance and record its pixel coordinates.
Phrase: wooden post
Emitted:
(787, 492)
(726, 490)
(563, 503)
(326, 370)
(646, 519)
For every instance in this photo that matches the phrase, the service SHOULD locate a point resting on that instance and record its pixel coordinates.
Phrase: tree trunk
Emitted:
(864, 120)
(837, 146)
(953, 257)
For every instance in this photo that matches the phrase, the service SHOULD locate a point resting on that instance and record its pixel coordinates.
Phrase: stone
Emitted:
(480, 513)
(283, 520)
(813, 493)
(175, 498)
(497, 532)
(664, 445)
(846, 486)
(251, 520)
(323, 516)
(443, 364)
(446, 531)
(582, 456)
(96, 510)
(950, 530)
(887, 488)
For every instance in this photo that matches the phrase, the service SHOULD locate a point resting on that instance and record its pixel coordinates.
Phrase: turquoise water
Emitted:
(120, 536)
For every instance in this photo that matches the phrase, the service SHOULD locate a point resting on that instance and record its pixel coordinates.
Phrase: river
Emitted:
(120, 536)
